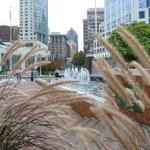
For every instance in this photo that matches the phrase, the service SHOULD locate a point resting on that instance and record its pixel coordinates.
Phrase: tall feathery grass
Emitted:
(125, 95)
(125, 99)
(34, 115)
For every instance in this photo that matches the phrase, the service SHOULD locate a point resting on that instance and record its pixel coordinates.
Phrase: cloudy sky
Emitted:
(63, 14)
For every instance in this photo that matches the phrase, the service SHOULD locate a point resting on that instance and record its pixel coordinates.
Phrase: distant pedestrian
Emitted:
(32, 76)
(18, 76)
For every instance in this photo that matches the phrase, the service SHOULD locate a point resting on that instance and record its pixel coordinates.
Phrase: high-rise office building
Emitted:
(72, 37)
(122, 12)
(125, 11)
(8, 33)
(59, 47)
(89, 24)
(34, 20)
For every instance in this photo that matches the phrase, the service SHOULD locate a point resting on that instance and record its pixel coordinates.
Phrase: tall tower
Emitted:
(89, 24)
(34, 20)
(72, 37)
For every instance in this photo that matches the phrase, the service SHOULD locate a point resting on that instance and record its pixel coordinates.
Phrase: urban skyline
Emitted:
(62, 15)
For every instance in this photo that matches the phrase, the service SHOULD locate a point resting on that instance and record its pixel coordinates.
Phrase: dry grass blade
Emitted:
(111, 79)
(33, 50)
(117, 134)
(41, 63)
(135, 46)
(89, 134)
(120, 132)
(114, 53)
(110, 100)
(35, 116)
(127, 122)
(126, 132)
(51, 86)
(47, 92)
(145, 76)
(129, 78)
(10, 50)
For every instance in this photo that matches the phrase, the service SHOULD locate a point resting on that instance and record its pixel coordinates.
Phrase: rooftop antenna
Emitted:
(10, 25)
(95, 27)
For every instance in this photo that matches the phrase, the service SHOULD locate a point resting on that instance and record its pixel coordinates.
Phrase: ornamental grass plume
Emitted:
(34, 117)
(32, 51)
(43, 118)
(114, 53)
(124, 69)
(128, 133)
(135, 46)
(30, 124)
(113, 82)
(144, 74)
(40, 63)
(86, 135)
(11, 50)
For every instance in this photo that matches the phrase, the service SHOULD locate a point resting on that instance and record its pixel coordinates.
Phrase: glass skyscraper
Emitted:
(34, 20)
(118, 12)
(125, 11)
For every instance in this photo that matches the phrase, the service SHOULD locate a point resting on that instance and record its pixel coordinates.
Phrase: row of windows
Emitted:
(31, 33)
(25, 8)
(115, 23)
(26, 38)
(56, 48)
(26, 19)
(21, 24)
(57, 38)
(116, 7)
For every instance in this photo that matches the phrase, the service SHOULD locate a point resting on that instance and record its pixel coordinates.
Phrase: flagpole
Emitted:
(95, 26)
(10, 37)
(10, 26)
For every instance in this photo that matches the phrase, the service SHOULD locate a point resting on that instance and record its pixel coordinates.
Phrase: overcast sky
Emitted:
(63, 14)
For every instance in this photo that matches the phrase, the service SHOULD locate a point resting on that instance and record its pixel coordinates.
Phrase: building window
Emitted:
(119, 21)
(129, 17)
(142, 3)
(148, 3)
(141, 14)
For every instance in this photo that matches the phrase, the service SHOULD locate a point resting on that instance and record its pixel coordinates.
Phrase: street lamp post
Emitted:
(95, 26)
(39, 59)
(10, 26)
(10, 30)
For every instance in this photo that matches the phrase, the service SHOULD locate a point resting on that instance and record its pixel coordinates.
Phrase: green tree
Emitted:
(140, 30)
(79, 59)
